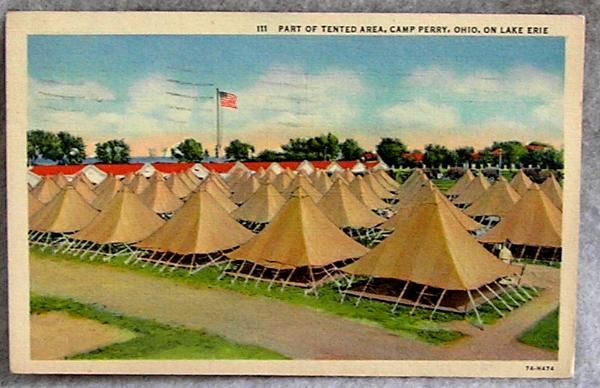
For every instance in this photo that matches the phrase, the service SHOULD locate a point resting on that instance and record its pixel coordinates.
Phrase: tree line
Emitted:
(65, 148)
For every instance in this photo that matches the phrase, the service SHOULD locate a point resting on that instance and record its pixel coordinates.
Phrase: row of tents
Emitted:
(302, 230)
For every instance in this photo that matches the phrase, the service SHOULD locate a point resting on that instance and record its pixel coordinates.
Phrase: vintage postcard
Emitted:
(293, 194)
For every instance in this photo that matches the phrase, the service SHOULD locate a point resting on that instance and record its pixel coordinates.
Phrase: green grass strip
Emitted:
(153, 341)
(544, 334)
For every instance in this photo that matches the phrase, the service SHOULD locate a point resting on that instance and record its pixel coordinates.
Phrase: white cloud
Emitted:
(421, 114)
(86, 90)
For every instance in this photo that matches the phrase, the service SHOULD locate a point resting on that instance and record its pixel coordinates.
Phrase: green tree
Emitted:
(113, 151)
(464, 155)
(390, 150)
(351, 150)
(512, 151)
(188, 150)
(238, 150)
(324, 147)
(72, 148)
(438, 155)
(43, 144)
(269, 156)
(549, 158)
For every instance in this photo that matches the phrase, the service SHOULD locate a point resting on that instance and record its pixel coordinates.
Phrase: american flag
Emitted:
(228, 100)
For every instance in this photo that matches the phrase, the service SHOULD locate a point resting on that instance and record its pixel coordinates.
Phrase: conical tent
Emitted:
(213, 180)
(34, 205)
(217, 193)
(60, 180)
(384, 183)
(336, 175)
(386, 178)
(46, 190)
(288, 171)
(159, 197)
(282, 182)
(365, 194)
(300, 236)
(425, 192)
(301, 180)
(106, 192)
(177, 186)
(269, 177)
(430, 249)
(84, 190)
(218, 179)
(377, 188)
(321, 181)
(552, 189)
(234, 176)
(497, 201)
(191, 178)
(67, 212)
(345, 210)
(200, 227)
(461, 185)
(139, 184)
(412, 184)
(260, 173)
(124, 220)
(533, 221)
(107, 181)
(348, 175)
(128, 178)
(521, 183)
(261, 207)
(245, 190)
(83, 178)
(473, 192)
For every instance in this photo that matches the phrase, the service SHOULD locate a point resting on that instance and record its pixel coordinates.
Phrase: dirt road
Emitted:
(294, 331)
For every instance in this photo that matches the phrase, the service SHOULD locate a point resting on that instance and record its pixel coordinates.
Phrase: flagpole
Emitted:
(218, 146)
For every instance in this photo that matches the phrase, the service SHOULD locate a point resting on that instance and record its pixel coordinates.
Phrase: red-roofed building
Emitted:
(347, 164)
(71, 169)
(292, 165)
(255, 166)
(321, 164)
(119, 169)
(221, 168)
(169, 168)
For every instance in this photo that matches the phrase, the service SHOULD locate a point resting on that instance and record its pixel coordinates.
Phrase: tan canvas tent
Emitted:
(497, 201)
(218, 179)
(473, 192)
(384, 177)
(83, 189)
(245, 190)
(460, 185)
(60, 180)
(365, 194)
(430, 261)
(106, 192)
(125, 220)
(159, 198)
(269, 177)
(190, 178)
(283, 181)
(412, 184)
(34, 205)
(425, 192)
(301, 180)
(46, 190)
(531, 229)
(139, 184)
(345, 210)
(300, 246)
(552, 189)
(196, 235)
(83, 178)
(348, 175)
(68, 212)
(260, 208)
(521, 183)
(217, 193)
(178, 186)
(377, 188)
(321, 181)
(128, 178)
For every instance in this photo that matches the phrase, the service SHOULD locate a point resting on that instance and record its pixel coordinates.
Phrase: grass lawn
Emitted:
(543, 334)
(153, 341)
(444, 184)
(418, 325)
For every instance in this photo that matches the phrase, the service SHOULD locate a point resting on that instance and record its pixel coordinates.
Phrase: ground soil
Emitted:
(56, 335)
(294, 331)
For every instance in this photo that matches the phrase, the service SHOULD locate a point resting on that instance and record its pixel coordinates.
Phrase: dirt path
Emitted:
(294, 331)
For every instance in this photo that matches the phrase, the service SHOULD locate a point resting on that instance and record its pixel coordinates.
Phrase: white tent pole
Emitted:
(363, 291)
(400, 296)
(507, 294)
(474, 307)
(490, 302)
(287, 280)
(499, 297)
(273, 279)
(437, 304)
(418, 300)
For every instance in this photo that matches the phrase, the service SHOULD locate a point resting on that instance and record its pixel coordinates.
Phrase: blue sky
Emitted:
(449, 90)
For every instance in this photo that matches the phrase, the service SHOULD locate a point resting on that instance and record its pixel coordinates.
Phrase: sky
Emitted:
(155, 91)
